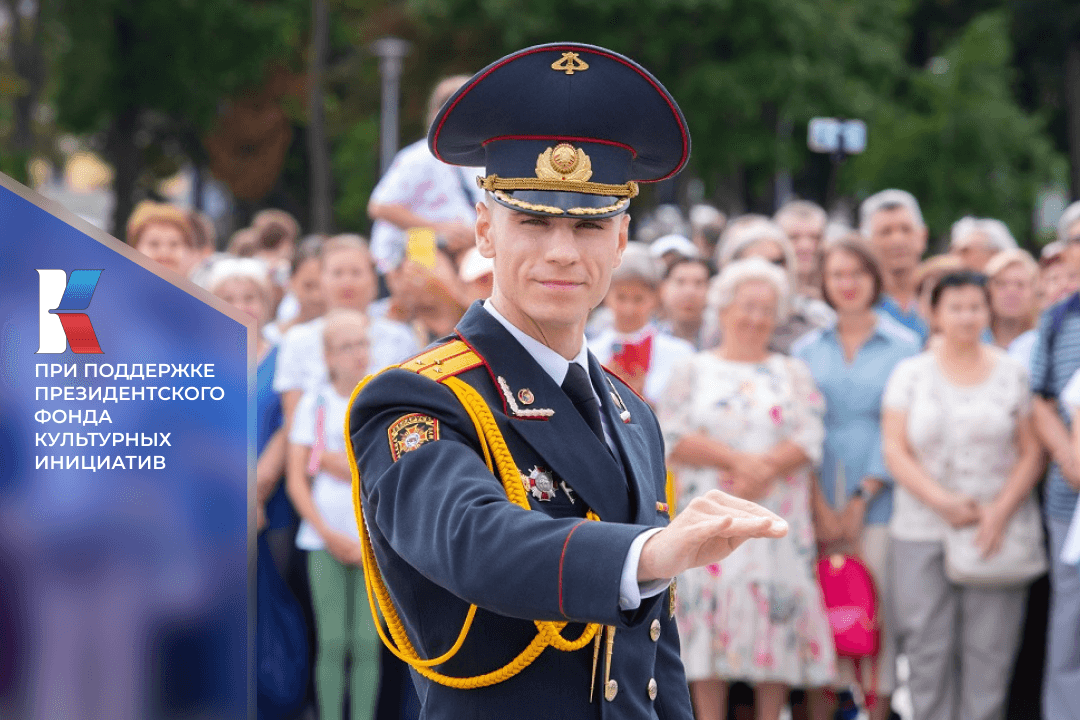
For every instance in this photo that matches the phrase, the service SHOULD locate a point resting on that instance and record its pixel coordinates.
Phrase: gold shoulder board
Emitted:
(444, 361)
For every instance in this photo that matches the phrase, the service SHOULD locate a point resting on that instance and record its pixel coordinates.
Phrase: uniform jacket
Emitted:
(445, 535)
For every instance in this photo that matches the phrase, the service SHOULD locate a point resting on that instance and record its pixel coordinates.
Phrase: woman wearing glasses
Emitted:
(758, 236)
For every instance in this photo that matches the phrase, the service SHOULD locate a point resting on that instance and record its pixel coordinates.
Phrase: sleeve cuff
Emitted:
(631, 591)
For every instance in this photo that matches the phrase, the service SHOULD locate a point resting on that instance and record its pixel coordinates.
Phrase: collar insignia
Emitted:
(516, 411)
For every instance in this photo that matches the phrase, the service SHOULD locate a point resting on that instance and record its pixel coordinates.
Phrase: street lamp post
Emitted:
(390, 51)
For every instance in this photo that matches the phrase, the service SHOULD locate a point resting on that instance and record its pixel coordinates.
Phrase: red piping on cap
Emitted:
(561, 138)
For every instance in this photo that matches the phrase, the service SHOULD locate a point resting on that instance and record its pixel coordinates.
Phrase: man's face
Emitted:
(684, 291)
(976, 252)
(1072, 247)
(805, 234)
(549, 272)
(897, 239)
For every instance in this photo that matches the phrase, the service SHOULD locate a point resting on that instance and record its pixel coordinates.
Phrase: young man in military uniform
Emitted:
(513, 492)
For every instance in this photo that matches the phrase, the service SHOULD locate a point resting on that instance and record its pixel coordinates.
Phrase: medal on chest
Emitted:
(539, 482)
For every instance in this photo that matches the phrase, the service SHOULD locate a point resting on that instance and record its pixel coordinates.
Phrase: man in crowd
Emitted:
(1057, 357)
(419, 191)
(893, 223)
(804, 222)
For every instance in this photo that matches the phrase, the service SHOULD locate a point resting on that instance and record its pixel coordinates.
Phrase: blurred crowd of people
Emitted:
(894, 408)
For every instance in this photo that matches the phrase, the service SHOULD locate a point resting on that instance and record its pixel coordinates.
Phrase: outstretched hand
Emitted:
(706, 531)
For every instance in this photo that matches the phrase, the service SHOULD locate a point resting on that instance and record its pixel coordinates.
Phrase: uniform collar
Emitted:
(554, 364)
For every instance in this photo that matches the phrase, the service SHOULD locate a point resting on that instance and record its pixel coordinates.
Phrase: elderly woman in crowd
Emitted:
(757, 236)
(1013, 276)
(245, 284)
(959, 441)
(163, 233)
(975, 240)
(851, 362)
(745, 420)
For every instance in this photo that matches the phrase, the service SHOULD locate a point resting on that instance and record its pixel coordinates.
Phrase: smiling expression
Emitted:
(549, 272)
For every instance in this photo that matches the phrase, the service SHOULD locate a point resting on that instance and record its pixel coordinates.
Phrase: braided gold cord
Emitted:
(494, 182)
(498, 458)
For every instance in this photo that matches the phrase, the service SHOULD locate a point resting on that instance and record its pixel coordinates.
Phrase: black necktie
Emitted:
(578, 388)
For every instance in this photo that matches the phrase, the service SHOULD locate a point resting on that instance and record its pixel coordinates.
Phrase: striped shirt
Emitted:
(1056, 357)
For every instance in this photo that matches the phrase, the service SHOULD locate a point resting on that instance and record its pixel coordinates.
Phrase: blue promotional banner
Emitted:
(126, 451)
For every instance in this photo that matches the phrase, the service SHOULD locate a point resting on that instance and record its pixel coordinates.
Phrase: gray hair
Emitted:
(801, 209)
(995, 230)
(637, 264)
(723, 287)
(748, 230)
(1068, 219)
(230, 268)
(888, 200)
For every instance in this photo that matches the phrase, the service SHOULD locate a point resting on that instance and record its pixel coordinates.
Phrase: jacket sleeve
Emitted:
(442, 511)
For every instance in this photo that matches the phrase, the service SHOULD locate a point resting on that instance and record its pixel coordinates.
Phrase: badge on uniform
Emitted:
(410, 432)
(539, 482)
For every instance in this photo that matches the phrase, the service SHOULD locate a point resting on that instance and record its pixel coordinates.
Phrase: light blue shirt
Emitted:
(556, 366)
(852, 394)
(912, 320)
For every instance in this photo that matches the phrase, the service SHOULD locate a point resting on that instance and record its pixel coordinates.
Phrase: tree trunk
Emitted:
(28, 62)
(318, 152)
(124, 156)
(1072, 114)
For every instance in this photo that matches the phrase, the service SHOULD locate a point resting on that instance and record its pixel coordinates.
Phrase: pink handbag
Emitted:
(851, 603)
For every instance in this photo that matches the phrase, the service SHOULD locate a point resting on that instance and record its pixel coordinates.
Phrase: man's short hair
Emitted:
(800, 209)
(888, 200)
(995, 231)
(1068, 219)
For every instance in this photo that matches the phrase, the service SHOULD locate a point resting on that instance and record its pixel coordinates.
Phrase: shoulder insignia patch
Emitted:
(444, 361)
(410, 432)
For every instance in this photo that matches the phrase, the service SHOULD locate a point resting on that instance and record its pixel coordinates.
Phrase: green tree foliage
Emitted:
(955, 137)
(149, 76)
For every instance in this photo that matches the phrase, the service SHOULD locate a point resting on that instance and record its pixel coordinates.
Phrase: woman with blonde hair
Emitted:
(1013, 279)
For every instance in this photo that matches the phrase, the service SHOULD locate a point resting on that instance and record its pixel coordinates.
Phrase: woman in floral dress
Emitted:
(749, 422)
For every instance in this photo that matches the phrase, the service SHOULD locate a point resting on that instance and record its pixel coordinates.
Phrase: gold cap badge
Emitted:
(564, 162)
(570, 63)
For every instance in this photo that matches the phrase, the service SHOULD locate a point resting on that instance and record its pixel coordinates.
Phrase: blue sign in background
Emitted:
(124, 591)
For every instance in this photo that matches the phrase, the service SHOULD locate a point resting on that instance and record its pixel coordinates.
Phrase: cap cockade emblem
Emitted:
(564, 162)
(570, 63)
(540, 483)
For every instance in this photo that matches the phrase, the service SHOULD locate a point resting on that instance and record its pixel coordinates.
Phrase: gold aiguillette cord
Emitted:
(595, 659)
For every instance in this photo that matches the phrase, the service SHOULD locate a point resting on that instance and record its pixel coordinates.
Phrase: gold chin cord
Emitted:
(501, 463)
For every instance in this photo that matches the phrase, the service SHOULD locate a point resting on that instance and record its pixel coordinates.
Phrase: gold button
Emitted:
(652, 688)
(654, 630)
(611, 689)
